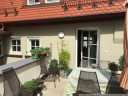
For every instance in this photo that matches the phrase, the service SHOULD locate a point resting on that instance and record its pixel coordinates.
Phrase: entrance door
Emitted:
(87, 46)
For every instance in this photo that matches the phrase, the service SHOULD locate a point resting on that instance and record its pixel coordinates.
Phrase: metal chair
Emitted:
(113, 86)
(103, 64)
(49, 75)
(12, 85)
(88, 83)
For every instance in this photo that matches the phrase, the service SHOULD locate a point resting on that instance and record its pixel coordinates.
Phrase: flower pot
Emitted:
(35, 57)
(61, 73)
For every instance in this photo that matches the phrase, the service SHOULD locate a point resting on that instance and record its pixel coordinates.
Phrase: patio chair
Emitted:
(103, 64)
(84, 63)
(12, 85)
(113, 86)
(88, 83)
(49, 74)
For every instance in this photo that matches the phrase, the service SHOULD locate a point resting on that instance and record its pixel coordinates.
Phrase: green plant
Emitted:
(64, 57)
(34, 51)
(113, 66)
(32, 83)
(121, 62)
(40, 52)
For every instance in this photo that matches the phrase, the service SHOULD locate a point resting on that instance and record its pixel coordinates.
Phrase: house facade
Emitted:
(92, 29)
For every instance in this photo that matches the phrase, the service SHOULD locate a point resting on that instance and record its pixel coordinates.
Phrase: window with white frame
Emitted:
(33, 2)
(34, 43)
(1, 47)
(16, 45)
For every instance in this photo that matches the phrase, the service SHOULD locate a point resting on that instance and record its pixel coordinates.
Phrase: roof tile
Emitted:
(57, 11)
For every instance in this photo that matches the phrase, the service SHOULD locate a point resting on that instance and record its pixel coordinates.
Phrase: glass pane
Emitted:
(18, 48)
(18, 42)
(13, 42)
(32, 47)
(93, 49)
(13, 48)
(31, 1)
(85, 35)
(37, 42)
(36, 1)
(85, 51)
(32, 42)
(92, 61)
(93, 37)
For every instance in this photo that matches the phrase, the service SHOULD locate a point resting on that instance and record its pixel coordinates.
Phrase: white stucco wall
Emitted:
(111, 38)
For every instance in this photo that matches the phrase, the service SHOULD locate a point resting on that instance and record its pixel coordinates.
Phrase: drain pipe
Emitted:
(2, 27)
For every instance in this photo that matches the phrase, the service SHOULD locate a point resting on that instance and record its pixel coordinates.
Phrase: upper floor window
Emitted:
(16, 45)
(33, 2)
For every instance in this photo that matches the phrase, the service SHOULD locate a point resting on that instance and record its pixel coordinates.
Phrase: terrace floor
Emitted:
(52, 91)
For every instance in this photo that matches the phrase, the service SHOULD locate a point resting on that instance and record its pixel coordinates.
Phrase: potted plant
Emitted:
(64, 57)
(45, 51)
(32, 84)
(113, 67)
(40, 52)
(34, 53)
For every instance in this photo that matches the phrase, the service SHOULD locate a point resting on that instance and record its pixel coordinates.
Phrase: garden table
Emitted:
(72, 81)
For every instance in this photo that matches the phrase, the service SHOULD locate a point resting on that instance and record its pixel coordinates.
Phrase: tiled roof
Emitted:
(55, 11)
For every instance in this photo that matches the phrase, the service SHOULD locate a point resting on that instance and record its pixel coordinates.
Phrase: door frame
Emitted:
(98, 41)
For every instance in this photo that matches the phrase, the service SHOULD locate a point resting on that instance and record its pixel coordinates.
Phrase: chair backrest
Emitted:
(113, 86)
(53, 67)
(103, 64)
(88, 83)
(84, 63)
(43, 65)
(11, 82)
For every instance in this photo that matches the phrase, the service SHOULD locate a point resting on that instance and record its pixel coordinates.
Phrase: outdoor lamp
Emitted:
(61, 35)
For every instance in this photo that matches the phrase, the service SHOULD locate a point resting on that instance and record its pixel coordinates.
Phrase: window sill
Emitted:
(14, 55)
(27, 56)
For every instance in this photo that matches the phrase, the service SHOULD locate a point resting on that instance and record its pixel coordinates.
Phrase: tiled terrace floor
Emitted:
(52, 91)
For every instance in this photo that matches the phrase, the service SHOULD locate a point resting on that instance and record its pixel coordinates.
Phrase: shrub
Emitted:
(121, 62)
(32, 83)
(113, 66)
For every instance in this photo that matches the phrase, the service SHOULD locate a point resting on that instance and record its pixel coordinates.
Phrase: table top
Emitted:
(72, 81)
(103, 75)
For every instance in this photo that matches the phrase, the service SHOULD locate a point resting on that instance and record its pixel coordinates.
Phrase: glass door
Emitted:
(89, 46)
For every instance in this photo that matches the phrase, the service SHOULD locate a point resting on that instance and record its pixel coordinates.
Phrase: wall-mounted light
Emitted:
(61, 35)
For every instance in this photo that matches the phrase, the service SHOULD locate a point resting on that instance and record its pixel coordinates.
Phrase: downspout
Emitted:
(1, 27)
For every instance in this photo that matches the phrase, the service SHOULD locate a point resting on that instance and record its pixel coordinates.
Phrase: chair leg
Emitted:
(54, 81)
(58, 77)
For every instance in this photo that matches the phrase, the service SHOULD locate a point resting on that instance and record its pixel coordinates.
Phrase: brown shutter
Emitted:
(42, 1)
(24, 2)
